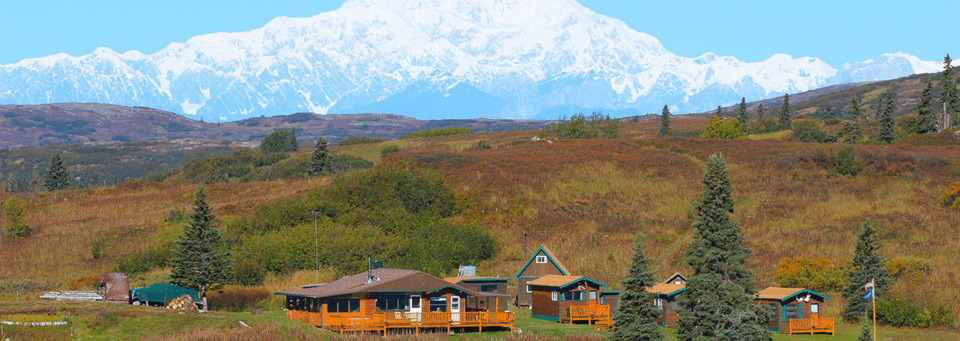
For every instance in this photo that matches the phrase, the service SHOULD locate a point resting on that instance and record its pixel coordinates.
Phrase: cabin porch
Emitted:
(811, 326)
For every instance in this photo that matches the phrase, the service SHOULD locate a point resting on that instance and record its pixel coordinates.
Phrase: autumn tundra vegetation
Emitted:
(810, 214)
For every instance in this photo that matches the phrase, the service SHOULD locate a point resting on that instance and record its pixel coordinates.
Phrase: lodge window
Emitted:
(541, 259)
(438, 304)
(529, 289)
(313, 305)
(593, 295)
(387, 302)
(554, 295)
(791, 311)
(343, 305)
(489, 287)
(601, 299)
(658, 302)
(575, 296)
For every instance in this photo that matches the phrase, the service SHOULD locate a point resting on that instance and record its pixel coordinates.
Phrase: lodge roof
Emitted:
(668, 289)
(670, 280)
(385, 280)
(780, 294)
(549, 254)
(558, 281)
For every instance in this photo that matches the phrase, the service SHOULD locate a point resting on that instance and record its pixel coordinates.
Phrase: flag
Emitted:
(869, 295)
(869, 285)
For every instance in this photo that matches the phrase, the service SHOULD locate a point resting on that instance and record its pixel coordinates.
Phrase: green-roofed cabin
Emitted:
(542, 263)
(569, 299)
(666, 302)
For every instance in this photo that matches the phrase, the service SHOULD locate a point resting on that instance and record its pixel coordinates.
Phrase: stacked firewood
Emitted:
(182, 303)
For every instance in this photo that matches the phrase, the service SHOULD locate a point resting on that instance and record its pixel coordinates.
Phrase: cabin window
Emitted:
(554, 295)
(601, 299)
(541, 259)
(290, 303)
(791, 311)
(489, 287)
(815, 308)
(658, 302)
(529, 289)
(301, 304)
(313, 305)
(438, 304)
(673, 305)
(593, 295)
(387, 302)
(343, 305)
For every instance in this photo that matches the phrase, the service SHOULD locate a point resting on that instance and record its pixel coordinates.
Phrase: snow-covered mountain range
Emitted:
(429, 59)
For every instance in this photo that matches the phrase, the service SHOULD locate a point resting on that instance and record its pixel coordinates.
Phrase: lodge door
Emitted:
(415, 304)
(815, 310)
(455, 308)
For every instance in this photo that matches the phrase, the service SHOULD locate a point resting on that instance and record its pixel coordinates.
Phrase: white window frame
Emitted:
(554, 295)
(593, 295)
(659, 303)
(541, 259)
(529, 289)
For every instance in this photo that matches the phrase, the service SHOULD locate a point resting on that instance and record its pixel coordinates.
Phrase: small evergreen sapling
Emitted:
(742, 113)
(665, 121)
(636, 317)
(58, 178)
(786, 117)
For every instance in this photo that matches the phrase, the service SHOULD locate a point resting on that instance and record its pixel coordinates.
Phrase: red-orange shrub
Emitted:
(84, 283)
(910, 266)
(818, 274)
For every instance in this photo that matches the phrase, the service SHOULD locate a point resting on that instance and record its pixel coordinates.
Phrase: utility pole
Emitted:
(316, 244)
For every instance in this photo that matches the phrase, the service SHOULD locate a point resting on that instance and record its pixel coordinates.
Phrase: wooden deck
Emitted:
(811, 326)
(593, 313)
(382, 322)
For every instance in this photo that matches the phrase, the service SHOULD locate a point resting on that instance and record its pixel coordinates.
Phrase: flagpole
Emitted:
(873, 291)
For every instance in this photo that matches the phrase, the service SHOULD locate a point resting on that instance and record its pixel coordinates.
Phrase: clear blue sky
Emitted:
(836, 31)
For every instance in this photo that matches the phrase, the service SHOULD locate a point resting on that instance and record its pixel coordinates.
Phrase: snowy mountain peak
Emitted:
(428, 59)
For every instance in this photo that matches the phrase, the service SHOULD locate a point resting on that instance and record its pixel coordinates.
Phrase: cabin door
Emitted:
(455, 308)
(416, 305)
(815, 310)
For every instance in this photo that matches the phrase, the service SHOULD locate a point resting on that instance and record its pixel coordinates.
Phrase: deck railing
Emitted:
(350, 322)
(812, 325)
(592, 313)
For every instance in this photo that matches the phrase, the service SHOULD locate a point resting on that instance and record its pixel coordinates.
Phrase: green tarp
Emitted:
(161, 293)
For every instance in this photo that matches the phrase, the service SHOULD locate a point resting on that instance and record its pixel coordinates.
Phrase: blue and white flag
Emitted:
(869, 295)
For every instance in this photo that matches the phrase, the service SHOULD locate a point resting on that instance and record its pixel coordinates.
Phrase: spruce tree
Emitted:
(718, 302)
(949, 94)
(58, 178)
(886, 134)
(636, 318)
(199, 260)
(665, 121)
(742, 113)
(866, 331)
(760, 115)
(319, 160)
(785, 118)
(926, 114)
(867, 265)
(852, 131)
(719, 112)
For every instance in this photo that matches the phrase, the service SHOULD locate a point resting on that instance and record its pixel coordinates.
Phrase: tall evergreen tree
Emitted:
(199, 260)
(886, 133)
(58, 178)
(665, 121)
(926, 114)
(949, 94)
(852, 131)
(742, 113)
(867, 265)
(719, 112)
(785, 118)
(760, 115)
(319, 160)
(636, 317)
(718, 302)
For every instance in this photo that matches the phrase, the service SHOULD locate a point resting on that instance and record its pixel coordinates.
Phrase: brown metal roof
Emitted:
(386, 280)
(780, 294)
(559, 281)
(666, 288)
(555, 259)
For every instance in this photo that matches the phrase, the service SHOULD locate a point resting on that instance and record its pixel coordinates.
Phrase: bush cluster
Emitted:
(817, 274)
(579, 126)
(142, 262)
(252, 165)
(845, 161)
(809, 131)
(721, 128)
(438, 132)
(280, 141)
(236, 298)
(354, 140)
(951, 197)
(389, 149)
(910, 266)
(904, 313)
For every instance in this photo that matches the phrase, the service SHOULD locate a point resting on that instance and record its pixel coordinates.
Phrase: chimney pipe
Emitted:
(369, 268)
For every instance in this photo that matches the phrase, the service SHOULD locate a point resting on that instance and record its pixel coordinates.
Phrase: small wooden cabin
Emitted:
(666, 302)
(612, 299)
(382, 299)
(542, 263)
(493, 292)
(569, 299)
(798, 310)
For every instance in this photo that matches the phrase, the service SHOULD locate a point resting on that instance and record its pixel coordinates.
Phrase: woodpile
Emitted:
(182, 303)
